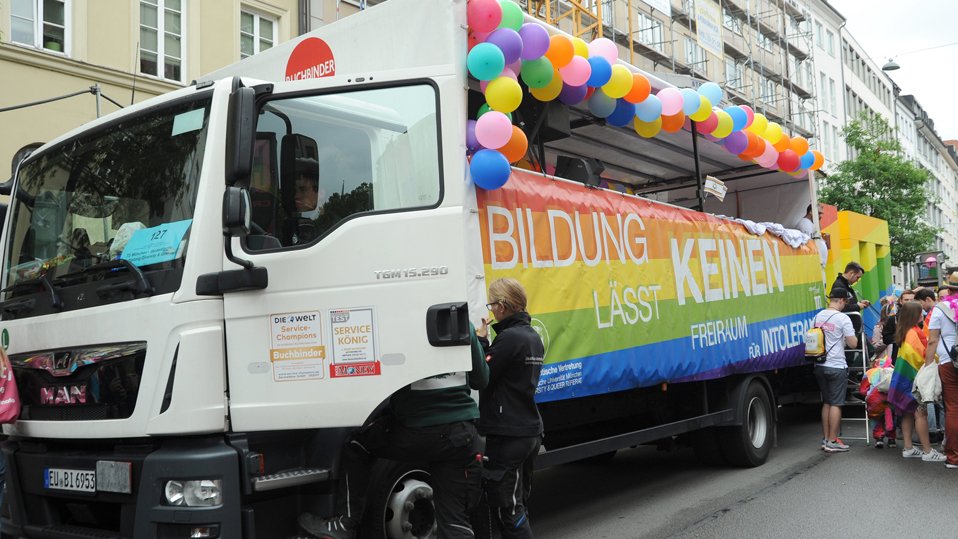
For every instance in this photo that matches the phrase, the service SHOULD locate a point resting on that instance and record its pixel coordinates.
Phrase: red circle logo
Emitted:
(311, 59)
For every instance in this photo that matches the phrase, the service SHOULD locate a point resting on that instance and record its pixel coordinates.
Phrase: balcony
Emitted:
(795, 10)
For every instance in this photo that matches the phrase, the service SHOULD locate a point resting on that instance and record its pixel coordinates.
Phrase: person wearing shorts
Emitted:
(832, 375)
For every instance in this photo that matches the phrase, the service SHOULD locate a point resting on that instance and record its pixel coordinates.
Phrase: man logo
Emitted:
(540, 328)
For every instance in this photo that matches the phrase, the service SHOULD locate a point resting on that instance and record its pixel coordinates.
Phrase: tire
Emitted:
(398, 503)
(706, 447)
(748, 445)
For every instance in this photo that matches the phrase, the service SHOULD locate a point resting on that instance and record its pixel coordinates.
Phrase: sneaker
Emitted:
(913, 453)
(327, 528)
(823, 443)
(835, 447)
(950, 465)
(879, 444)
(892, 443)
(932, 456)
(838, 442)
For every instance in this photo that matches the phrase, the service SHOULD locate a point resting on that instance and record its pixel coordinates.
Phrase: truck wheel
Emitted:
(399, 503)
(748, 444)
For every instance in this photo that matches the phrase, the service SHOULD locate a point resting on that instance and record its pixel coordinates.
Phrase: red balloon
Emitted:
(789, 161)
(708, 125)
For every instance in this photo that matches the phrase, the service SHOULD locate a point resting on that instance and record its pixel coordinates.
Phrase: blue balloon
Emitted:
(490, 169)
(690, 101)
(622, 115)
(649, 110)
(601, 71)
(712, 92)
(739, 118)
(806, 160)
(573, 95)
(485, 61)
(601, 105)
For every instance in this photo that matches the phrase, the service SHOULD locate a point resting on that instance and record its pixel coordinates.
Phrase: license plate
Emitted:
(73, 480)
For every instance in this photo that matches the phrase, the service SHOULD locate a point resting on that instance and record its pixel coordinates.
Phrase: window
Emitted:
(734, 78)
(650, 32)
(320, 160)
(826, 141)
(819, 29)
(831, 96)
(694, 55)
(257, 33)
(40, 24)
(764, 42)
(767, 88)
(830, 43)
(822, 90)
(834, 142)
(731, 22)
(161, 38)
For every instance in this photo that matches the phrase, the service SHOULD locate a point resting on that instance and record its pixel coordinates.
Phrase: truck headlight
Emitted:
(198, 493)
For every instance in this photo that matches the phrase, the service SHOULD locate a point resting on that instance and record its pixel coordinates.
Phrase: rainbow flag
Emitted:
(628, 293)
(911, 356)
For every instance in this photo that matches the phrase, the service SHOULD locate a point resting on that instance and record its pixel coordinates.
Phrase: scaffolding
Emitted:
(581, 18)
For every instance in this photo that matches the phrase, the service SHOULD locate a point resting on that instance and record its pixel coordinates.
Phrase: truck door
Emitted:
(361, 230)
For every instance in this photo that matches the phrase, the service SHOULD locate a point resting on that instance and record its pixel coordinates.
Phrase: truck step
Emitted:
(290, 478)
(64, 531)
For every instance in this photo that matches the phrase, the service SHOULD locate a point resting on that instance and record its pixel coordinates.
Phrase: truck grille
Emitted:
(80, 384)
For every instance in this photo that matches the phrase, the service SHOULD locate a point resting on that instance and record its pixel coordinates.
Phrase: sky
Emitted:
(886, 28)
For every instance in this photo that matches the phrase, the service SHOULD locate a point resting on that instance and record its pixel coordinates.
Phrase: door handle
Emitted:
(447, 324)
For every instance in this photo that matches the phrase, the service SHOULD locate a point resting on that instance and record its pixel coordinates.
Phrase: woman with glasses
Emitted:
(508, 415)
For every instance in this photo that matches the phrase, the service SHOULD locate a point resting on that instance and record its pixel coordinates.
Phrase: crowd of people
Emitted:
(436, 420)
(912, 382)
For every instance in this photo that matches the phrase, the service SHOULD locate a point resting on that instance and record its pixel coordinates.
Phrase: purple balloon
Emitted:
(509, 43)
(573, 95)
(535, 41)
(736, 143)
(472, 143)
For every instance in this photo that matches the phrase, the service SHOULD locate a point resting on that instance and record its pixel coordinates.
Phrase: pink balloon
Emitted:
(576, 72)
(672, 101)
(605, 48)
(769, 157)
(483, 15)
(505, 73)
(708, 125)
(515, 67)
(749, 113)
(493, 130)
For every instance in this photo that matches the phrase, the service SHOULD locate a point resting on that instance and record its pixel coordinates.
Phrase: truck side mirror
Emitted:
(237, 212)
(241, 135)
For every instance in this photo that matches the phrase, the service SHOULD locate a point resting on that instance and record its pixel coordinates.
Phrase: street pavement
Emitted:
(800, 492)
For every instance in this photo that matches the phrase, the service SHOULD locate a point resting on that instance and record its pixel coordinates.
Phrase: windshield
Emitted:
(123, 193)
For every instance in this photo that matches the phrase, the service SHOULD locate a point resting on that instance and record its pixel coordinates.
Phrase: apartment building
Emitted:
(113, 53)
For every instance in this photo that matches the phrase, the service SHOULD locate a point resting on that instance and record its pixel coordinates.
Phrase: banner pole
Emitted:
(699, 189)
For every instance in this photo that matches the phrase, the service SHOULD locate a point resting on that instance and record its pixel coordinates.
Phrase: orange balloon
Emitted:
(800, 145)
(756, 145)
(641, 88)
(819, 160)
(560, 52)
(673, 123)
(516, 148)
(783, 143)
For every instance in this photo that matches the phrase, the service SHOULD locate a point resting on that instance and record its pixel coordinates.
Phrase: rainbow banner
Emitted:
(629, 293)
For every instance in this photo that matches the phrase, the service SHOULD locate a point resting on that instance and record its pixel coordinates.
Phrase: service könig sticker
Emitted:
(296, 346)
(353, 341)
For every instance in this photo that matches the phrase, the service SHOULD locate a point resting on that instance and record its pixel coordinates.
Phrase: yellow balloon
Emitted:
(581, 47)
(649, 129)
(724, 127)
(705, 110)
(504, 94)
(759, 124)
(773, 133)
(620, 83)
(549, 91)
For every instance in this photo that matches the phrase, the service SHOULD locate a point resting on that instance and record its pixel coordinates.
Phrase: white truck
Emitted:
(196, 323)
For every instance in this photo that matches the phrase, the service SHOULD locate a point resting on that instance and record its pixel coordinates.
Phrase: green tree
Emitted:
(882, 183)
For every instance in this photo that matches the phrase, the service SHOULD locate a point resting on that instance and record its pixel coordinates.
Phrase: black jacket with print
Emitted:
(507, 406)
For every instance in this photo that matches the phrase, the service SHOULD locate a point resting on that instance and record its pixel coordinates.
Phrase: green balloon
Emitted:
(484, 108)
(537, 73)
(511, 15)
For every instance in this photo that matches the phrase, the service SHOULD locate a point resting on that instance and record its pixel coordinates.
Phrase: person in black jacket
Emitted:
(508, 415)
(853, 272)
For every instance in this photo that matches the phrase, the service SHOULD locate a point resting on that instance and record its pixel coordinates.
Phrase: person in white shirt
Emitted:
(832, 375)
(807, 225)
(942, 336)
